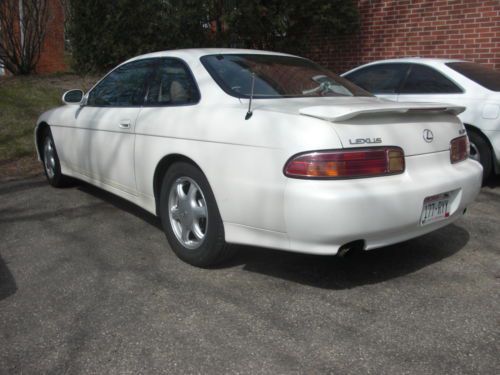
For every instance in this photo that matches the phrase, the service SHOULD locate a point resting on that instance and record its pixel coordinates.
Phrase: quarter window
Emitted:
(380, 78)
(172, 84)
(124, 86)
(480, 74)
(425, 80)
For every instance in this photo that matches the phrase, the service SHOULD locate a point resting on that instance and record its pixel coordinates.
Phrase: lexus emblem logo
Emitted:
(428, 136)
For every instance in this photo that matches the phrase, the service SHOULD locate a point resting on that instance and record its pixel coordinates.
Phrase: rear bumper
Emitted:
(323, 215)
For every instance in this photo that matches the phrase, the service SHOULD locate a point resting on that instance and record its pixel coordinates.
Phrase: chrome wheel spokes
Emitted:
(49, 157)
(188, 212)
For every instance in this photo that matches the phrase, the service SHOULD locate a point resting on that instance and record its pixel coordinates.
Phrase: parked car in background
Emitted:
(457, 82)
(261, 148)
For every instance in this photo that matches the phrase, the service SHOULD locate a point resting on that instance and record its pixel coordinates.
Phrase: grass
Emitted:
(22, 100)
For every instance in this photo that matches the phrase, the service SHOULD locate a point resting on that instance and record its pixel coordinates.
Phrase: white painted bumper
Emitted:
(323, 215)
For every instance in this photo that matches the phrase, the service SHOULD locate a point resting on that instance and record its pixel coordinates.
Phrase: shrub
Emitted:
(105, 33)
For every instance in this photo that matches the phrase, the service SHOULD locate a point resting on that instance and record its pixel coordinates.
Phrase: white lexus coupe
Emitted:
(261, 148)
(463, 83)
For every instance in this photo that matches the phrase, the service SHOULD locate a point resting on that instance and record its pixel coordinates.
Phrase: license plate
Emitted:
(435, 208)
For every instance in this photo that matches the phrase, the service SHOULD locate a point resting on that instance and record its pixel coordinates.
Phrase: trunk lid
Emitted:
(418, 128)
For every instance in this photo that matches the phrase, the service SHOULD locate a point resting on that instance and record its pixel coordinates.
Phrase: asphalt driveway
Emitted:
(88, 284)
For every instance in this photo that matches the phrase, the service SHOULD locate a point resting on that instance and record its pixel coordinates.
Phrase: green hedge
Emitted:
(104, 33)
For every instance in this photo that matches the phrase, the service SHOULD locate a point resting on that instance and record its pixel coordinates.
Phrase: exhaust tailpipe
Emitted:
(350, 247)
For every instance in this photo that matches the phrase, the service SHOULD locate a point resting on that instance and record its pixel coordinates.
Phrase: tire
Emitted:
(190, 217)
(51, 164)
(480, 151)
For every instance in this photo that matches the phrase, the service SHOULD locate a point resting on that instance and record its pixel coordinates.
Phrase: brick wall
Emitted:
(52, 52)
(52, 55)
(464, 29)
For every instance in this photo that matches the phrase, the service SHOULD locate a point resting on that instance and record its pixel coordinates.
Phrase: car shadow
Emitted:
(7, 283)
(357, 268)
(331, 272)
(493, 182)
(120, 203)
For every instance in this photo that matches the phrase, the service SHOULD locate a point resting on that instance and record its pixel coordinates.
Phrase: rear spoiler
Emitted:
(342, 112)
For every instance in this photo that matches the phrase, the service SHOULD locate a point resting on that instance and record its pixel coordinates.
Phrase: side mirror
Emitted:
(73, 97)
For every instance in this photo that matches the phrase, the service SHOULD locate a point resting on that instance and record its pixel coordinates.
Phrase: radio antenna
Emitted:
(249, 112)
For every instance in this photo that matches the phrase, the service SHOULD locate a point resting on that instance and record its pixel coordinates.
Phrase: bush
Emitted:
(105, 33)
(285, 25)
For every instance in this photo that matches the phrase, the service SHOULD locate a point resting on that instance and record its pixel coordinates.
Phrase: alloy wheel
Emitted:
(188, 212)
(49, 158)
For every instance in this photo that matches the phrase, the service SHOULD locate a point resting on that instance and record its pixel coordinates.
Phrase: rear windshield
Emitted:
(480, 74)
(276, 77)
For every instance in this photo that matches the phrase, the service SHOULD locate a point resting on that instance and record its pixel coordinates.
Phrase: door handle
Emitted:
(124, 124)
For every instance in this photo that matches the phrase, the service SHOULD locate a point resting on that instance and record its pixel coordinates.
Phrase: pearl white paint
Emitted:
(481, 105)
(491, 111)
(243, 161)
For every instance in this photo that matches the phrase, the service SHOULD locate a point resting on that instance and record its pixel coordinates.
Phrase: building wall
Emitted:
(464, 29)
(52, 52)
(52, 56)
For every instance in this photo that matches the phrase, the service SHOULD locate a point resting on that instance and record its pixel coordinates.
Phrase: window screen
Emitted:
(380, 78)
(480, 74)
(425, 80)
(124, 86)
(275, 76)
(172, 84)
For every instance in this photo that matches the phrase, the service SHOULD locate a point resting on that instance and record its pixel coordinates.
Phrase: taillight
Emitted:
(459, 149)
(366, 162)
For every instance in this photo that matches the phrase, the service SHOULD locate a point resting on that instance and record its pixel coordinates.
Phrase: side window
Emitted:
(172, 84)
(124, 86)
(380, 78)
(425, 80)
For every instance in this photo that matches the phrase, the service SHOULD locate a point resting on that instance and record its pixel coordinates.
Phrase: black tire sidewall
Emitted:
(210, 251)
(58, 179)
(484, 152)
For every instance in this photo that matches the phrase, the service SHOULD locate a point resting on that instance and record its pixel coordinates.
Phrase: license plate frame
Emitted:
(435, 208)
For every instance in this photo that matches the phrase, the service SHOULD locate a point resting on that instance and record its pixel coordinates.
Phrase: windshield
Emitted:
(276, 77)
(480, 74)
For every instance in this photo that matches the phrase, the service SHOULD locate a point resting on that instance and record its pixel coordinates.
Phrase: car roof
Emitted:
(418, 59)
(421, 60)
(431, 61)
(192, 54)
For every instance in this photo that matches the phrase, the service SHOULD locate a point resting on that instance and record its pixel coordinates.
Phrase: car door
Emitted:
(171, 99)
(382, 80)
(105, 126)
(426, 84)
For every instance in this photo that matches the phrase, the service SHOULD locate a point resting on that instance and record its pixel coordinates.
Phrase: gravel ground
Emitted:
(88, 285)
